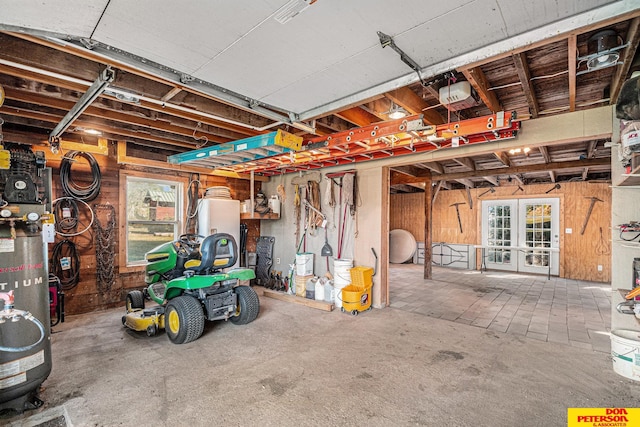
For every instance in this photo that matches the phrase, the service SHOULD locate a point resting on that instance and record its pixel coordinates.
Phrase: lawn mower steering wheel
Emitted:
(187, 243)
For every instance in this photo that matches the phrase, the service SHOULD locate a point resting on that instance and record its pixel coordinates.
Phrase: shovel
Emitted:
(326, 250)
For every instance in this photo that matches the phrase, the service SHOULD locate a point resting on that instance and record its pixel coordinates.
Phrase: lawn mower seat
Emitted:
(218, 251)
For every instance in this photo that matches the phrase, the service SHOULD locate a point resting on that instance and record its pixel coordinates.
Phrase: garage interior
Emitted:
(470, 190)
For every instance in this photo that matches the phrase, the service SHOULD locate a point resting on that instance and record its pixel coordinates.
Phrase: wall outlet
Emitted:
(277, 260)
(568, 230)
(599, 268)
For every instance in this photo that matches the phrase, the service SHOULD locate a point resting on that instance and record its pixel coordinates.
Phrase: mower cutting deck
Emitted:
(188, 287)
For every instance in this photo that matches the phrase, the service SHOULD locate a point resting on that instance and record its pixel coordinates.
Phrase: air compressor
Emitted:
(25, 347)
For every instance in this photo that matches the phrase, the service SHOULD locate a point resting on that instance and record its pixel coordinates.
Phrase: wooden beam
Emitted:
(545, 153)
(466, 162)
(633, 38)
(478, 80)
(585, 173)
(123, 159)
(572, 52)
(503, 157)
(435, 167)
(465, 181)
(552, 176)
(414, 104)
(357, 116)
(522, 68)
(492, 180)
(173, 92)
(573, 164)
(428, 230)
(591, 149)
(436, 190)
(411, 170)
(469, 198)
(320, 305)
(518, 177)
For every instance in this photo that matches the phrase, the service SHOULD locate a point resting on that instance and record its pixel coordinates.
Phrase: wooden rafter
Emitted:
(591, 149)
(585, 174)
(539, 167)
(414, 104)
(436, 190)
(466, 162)
(479, 82)
(520, 60)
(518, 177)
(503, 157)
(493, 180)
(357, 116)
(552, 176)
(633, 38)
(466, 182)
(572, 54)
(435, 167)
(545, 153)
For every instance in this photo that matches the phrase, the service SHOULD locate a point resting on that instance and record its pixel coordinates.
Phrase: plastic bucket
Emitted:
(355, 298)
(625, 353)
(341, 277)
(274, 204)
(304, 264)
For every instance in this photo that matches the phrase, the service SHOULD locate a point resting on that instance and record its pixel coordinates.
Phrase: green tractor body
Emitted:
(187, 281)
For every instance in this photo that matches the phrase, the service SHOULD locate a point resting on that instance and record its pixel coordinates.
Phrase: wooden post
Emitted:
(428, 226)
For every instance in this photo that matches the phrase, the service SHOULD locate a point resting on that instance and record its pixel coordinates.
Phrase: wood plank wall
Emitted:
(580, 254)
(85, 297)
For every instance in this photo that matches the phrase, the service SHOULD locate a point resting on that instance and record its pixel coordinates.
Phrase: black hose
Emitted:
(65, 211)
(65, 264)
(72, 188)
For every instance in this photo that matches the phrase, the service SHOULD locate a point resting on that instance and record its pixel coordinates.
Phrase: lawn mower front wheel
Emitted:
(184, 319)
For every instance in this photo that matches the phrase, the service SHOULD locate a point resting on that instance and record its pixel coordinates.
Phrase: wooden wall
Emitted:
(85, 297)
(580, 254)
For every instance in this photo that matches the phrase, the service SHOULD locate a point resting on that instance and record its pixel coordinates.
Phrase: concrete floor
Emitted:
(565, 311)
(297, 366)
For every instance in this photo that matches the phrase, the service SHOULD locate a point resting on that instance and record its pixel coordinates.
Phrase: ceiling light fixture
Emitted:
(603, 48)
(123, 95)
(397, 112)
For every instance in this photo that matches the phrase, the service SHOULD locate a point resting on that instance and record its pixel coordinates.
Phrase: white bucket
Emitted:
(341, 277)
(304, 264)
(274, 204)
(625, 353)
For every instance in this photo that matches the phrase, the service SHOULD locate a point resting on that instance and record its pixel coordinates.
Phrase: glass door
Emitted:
(499, 233)
(511, 227)
(539, 228)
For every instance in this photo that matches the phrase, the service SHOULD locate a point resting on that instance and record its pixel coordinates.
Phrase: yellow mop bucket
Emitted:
(356, 297)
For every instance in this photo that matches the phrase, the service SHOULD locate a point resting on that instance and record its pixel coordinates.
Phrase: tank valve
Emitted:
(8, 299)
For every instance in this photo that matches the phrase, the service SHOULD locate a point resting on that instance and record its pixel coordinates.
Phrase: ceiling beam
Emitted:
(478, 80)
(357, 116)
(414, 104)
(503, 157)
(518, 177)
(572, 52)
(434, 166)
(585, 174)
(466, 182)
(552, 176)
(591, 149)
(493, 180)
(411, 170)
(436, 189)
(466, 162)
(520, 60)
(513, 170)
(633, 38)
(545, 153)
(173, 92)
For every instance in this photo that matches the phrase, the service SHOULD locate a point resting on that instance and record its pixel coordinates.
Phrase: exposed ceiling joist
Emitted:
(435, 167)
(503, 157)
(629, 53)
(518, 177)
(545, 153)
(414, 104)
(479, 82)
(466, 182)
(541, 167)
(492, 179)
(524, 75)
(466, 162)
(357, 116)
(572, 54)
(552, 176)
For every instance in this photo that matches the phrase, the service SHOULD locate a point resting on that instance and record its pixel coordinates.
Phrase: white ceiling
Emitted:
(326, 57)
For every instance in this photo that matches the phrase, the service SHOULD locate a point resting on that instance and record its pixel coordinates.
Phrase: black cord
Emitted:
(191, 226)
(70, 187)
(628, 240)
(69, 274)
(65, 211)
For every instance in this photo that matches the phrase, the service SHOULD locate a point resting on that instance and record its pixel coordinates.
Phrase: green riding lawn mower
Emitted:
(185, 279)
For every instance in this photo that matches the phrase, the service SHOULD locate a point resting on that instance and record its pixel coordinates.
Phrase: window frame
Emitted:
(124, 176)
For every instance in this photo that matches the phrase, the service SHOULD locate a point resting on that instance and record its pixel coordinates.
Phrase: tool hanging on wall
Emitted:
(490, 190)
(586, 220)
(193, 195)
(555, 187)
(458, 213)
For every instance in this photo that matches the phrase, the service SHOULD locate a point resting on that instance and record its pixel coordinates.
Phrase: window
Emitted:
(153, 209)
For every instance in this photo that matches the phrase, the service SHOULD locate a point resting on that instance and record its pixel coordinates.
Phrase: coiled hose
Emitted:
(69, 275)
(72, 188)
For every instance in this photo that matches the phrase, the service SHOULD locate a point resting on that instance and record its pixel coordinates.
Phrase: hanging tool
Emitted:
(458, 213)
(517, 189)
(586, 220)
(555, 187)
(490, 190)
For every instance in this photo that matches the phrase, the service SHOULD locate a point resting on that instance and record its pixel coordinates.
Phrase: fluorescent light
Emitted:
(92, 132)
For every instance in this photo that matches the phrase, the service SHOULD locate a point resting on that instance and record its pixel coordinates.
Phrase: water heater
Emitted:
(217, 215)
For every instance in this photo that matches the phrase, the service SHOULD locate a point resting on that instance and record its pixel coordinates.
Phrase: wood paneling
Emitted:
(580, 255)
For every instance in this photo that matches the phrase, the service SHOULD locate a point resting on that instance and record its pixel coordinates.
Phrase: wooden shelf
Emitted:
(633, 177)
(257, 215)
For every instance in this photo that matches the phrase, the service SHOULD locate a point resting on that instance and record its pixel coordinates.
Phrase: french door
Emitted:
(522, 235)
